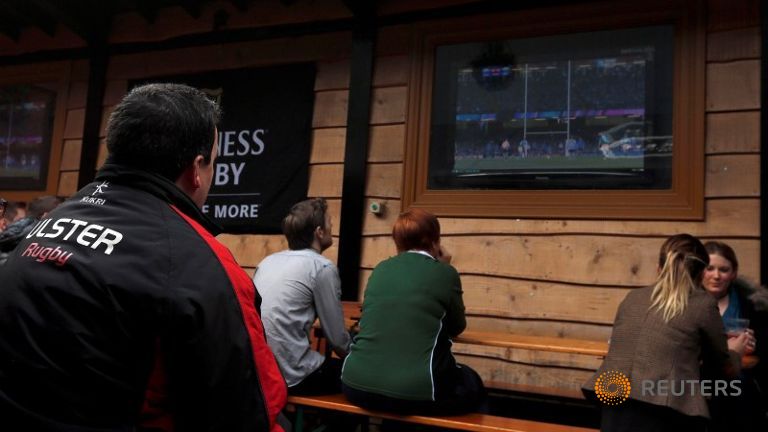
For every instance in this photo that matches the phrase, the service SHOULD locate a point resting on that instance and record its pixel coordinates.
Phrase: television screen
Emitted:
(583, 111)
(26, 125)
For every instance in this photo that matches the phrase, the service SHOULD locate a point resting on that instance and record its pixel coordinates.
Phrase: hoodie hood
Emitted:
(754, 293)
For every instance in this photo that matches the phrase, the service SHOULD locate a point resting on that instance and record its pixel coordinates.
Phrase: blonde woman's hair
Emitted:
(682, 259)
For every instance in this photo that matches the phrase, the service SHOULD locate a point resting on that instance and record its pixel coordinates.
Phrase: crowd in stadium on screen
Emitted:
(620, 86)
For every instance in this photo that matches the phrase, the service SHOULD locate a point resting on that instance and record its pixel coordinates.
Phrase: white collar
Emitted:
(422, 252)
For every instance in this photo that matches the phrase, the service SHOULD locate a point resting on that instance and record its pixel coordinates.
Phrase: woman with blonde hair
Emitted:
(650, 379)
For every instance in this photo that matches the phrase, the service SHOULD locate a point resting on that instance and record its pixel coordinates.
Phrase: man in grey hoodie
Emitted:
(296, 286)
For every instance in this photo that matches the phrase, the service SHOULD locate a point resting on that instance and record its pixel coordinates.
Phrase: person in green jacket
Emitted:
(401, 358)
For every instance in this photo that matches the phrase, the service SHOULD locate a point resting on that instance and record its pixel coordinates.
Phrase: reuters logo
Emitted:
(612, 388)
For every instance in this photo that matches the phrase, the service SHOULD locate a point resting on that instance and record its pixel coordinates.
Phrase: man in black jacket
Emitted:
(120, 310)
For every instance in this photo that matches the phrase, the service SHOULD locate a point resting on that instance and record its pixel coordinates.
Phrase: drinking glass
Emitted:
(735, 326)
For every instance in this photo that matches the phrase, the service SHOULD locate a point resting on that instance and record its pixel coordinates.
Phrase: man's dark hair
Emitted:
(302, 220)
(161, 128)
(11, 210)
(42, 205)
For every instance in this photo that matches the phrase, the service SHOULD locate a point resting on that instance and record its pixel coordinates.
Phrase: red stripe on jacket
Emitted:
(155, 412)
(273, 386)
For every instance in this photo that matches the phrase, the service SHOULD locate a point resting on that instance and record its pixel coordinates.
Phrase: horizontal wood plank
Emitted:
(719, 217)
(334, 209)
(330, 108)
(115, 91)
(737, 132)
(391, 71)
(103, 153)
(388, 105)
(555, 318)
(588, 260)
(249, 250)
(250, 271)
(67, 183)
(513, 298)
(383, 180)
(325, 180)
(736, 44)
(333, 75)
(105, 113)
(328, 145)
(387, 143)
(74, 124)
(394, 40)
(381, 224)
(522, 354)
(733, 176)
(563, 329)
(733, 86)
(78, 93)
(70, 155)
(728, 14)
(332, 253)
(580, 259)
(514, 374)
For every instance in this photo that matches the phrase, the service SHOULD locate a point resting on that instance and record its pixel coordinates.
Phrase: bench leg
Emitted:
(298, 424)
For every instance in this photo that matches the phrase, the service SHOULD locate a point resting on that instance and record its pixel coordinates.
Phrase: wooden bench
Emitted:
(466, 422)
(536, 343)
(527, 342)
(508, 340)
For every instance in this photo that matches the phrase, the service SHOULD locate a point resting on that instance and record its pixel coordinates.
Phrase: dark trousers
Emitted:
(325, 380)
(743, 413)
(633, 416)
(467, 394)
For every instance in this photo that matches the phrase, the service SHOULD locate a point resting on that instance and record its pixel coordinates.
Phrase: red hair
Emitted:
(416, 229)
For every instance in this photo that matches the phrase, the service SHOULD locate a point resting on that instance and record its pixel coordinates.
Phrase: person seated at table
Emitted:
(660, 335)
(401, 358)
(296, 286)
(738, 300)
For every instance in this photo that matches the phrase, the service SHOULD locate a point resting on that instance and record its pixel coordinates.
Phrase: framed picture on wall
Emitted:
(26, 128)
(577, 111)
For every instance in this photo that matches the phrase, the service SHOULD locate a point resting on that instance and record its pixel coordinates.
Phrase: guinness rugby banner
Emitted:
(264, 143)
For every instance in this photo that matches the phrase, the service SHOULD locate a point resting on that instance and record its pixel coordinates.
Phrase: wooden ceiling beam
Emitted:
(12, 31)
(147, 9)
(71, 15)
(193, 7)
(241, 5)
(21, 14)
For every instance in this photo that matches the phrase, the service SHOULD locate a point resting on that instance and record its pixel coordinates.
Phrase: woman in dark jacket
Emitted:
(650, 379)
(737, 299)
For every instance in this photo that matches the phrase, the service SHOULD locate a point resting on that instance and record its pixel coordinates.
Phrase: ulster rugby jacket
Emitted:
(121, 283)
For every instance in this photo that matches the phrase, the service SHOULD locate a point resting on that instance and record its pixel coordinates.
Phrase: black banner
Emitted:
(262, 166)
